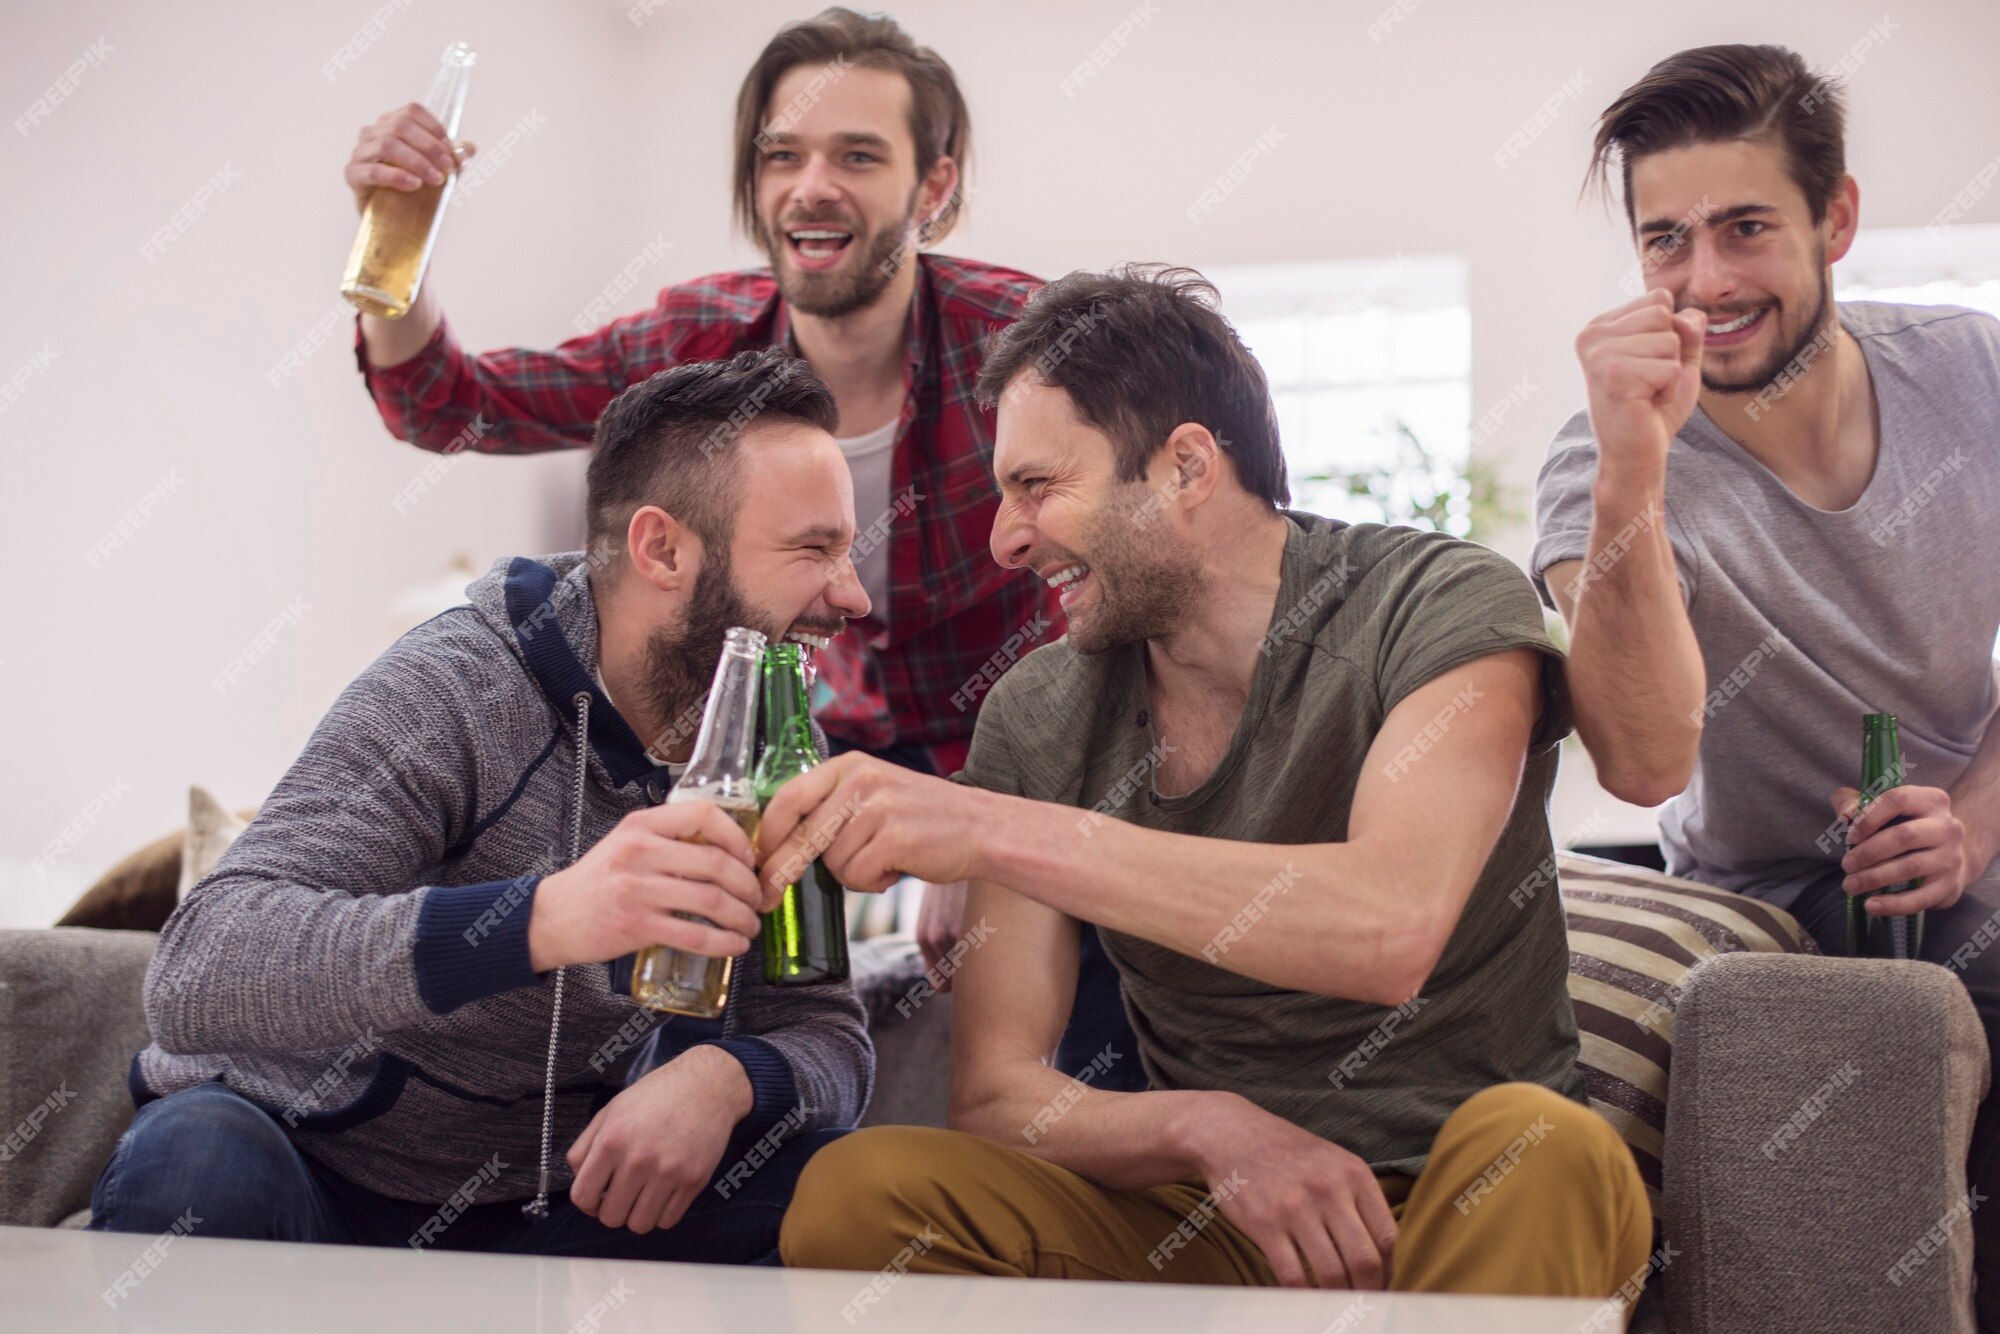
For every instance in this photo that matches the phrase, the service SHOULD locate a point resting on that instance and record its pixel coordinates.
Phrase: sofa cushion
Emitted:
(1634, 934)
(71, 1019)
(140, 892)
(135, 895)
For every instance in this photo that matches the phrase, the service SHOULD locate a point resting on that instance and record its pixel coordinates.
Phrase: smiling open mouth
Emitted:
(818, 244)
(1068, 581)
(1731, 330)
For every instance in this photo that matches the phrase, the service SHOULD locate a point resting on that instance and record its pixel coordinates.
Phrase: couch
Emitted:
(1752, 1078)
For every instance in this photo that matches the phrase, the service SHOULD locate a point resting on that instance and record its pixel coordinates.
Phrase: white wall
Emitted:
(285, 492)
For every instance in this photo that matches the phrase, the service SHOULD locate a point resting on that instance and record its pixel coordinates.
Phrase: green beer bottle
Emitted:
(1881, 769)
(805, 936)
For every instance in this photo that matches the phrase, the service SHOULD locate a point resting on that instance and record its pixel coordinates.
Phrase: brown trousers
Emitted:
(1526, 1193)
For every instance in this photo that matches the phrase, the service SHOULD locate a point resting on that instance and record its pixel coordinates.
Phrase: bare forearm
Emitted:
(393, 342)
(1635, 668)
(1323, 918)
(1122, 1141)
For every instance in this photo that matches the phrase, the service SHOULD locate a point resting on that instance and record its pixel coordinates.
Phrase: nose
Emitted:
(814, 187)
(1013, 539)
(844, 592)
(1710, 282)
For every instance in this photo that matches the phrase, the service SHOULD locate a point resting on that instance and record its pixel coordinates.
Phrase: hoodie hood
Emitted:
(542, 608)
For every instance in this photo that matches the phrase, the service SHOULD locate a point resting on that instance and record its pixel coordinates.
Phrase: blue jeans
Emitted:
(213, 1154)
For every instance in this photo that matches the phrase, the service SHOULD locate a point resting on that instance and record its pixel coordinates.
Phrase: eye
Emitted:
(1749, 227)
(1666, 245)
(862, 157)
(779, 154)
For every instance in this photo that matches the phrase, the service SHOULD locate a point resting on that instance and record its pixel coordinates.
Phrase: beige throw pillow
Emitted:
(212, 827)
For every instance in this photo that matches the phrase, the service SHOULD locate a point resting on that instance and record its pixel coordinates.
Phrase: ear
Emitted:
(1195, 457)
(936, 192)
(1843, 219)
(662, 551)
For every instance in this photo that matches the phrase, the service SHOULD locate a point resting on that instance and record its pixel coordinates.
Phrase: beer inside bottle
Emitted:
(1900, 937)
(399, 227)
(679, 981)
(805, 936)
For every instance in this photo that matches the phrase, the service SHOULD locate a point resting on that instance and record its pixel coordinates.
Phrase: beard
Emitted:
(1148, 579)
(1765, 375)
(680, 660)
(856, 285)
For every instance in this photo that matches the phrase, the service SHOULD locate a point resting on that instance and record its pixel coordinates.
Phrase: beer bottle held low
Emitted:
(677, 981)
(1899, 937)
(399, 228)
(805, 935)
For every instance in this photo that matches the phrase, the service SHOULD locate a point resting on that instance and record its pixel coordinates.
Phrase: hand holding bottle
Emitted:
(404, 149)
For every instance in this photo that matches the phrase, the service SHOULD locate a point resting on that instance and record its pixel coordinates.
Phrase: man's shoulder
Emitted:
(738, 300)
(1335, 555)
(975, 292)
(1930, 328)
(452, 666)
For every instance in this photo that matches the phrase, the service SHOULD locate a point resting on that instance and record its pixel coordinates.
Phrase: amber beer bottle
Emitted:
(1899, 937)
(677, 981)
(399, 227)
(805, 936)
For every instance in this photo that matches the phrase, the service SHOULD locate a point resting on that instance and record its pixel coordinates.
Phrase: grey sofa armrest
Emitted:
(71, 1020)
(1817, 1127)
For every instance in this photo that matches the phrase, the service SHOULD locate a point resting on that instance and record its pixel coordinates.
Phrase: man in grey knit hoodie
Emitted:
(392, 1013)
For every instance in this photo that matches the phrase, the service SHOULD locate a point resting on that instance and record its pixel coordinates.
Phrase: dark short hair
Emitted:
(940, 126)
(669, 441)
(1140, 350)
(1715, 93)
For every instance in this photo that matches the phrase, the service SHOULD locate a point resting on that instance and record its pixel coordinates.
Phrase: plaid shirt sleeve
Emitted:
(521, 401)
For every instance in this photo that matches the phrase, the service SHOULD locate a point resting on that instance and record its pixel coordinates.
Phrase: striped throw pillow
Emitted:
(1633, 936)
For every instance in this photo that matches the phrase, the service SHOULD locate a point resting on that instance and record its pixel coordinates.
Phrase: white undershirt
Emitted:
(870, 457)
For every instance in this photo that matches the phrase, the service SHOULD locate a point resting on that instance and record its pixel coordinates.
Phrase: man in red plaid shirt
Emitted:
(849, 141)
(848, 144)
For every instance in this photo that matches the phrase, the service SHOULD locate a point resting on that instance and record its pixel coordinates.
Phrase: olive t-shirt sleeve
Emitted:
(1448, 603)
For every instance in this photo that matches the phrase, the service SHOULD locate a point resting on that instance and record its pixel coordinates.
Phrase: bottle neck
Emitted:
(1881, 756)
(787, 713)
(447, 95)
(722, 750)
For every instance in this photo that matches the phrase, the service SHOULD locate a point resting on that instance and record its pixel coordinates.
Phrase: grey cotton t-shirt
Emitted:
(1365, 615)
(1810, 618)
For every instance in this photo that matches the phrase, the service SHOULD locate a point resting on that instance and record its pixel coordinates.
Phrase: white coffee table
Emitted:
(54, 1281)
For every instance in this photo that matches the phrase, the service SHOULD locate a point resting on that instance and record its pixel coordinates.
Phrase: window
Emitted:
(1924, 266)
(1370, 364)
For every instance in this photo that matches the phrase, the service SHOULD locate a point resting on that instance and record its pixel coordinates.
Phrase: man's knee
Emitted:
(861, 1198)
(1531, 1129)
(202, 1160)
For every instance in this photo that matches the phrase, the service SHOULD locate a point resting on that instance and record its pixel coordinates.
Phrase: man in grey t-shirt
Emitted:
(1777, 515)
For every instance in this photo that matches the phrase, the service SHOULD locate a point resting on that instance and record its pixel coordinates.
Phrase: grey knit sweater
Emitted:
(357, 963)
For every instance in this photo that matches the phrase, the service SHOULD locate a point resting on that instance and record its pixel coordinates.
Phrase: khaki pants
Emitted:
(1526, 1192)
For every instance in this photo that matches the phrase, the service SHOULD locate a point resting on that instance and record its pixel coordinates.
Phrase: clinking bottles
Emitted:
(400, 227)
(805, 936)
(675, 980)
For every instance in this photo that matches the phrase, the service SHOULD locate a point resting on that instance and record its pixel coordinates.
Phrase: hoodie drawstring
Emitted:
(539, 1206)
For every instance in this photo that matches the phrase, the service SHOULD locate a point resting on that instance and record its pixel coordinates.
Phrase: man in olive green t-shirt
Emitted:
(1296, 771)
